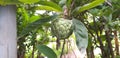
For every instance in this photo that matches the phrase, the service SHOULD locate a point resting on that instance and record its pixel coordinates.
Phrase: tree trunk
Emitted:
(8, 41)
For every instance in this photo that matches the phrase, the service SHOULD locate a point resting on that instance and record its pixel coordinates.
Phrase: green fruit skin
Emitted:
(62, 28)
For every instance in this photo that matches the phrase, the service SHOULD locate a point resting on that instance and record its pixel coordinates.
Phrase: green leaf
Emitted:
(46, 51)
(34, 18)
(46, 8)
(51, 4)
(117, 56)
(35, 25)
(29, 1)
(81, 34)
(94, 12)
(62, 2)
(68, 3)
(87, 6)
(25, 14)
(9, 2)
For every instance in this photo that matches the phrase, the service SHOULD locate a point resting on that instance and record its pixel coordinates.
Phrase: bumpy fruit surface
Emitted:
(62, 28)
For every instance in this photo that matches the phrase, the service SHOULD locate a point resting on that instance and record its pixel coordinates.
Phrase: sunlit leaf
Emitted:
(9, 2)
(46, 8)
(29, 1)
(25, 14)
(46, 51)
(33, 18)
(87, 6)
(81, 34)
(35, 25)
(51, 4)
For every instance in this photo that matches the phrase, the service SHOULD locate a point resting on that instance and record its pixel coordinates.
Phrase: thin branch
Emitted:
(88, 28)
(62, 49)
(99, 39)
(108, 40)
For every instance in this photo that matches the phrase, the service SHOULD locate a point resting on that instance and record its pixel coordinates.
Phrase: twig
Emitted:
(88, 28)
(109, 43)
(62, 49)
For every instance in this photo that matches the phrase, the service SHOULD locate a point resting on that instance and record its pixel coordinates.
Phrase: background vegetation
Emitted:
(97, 27)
